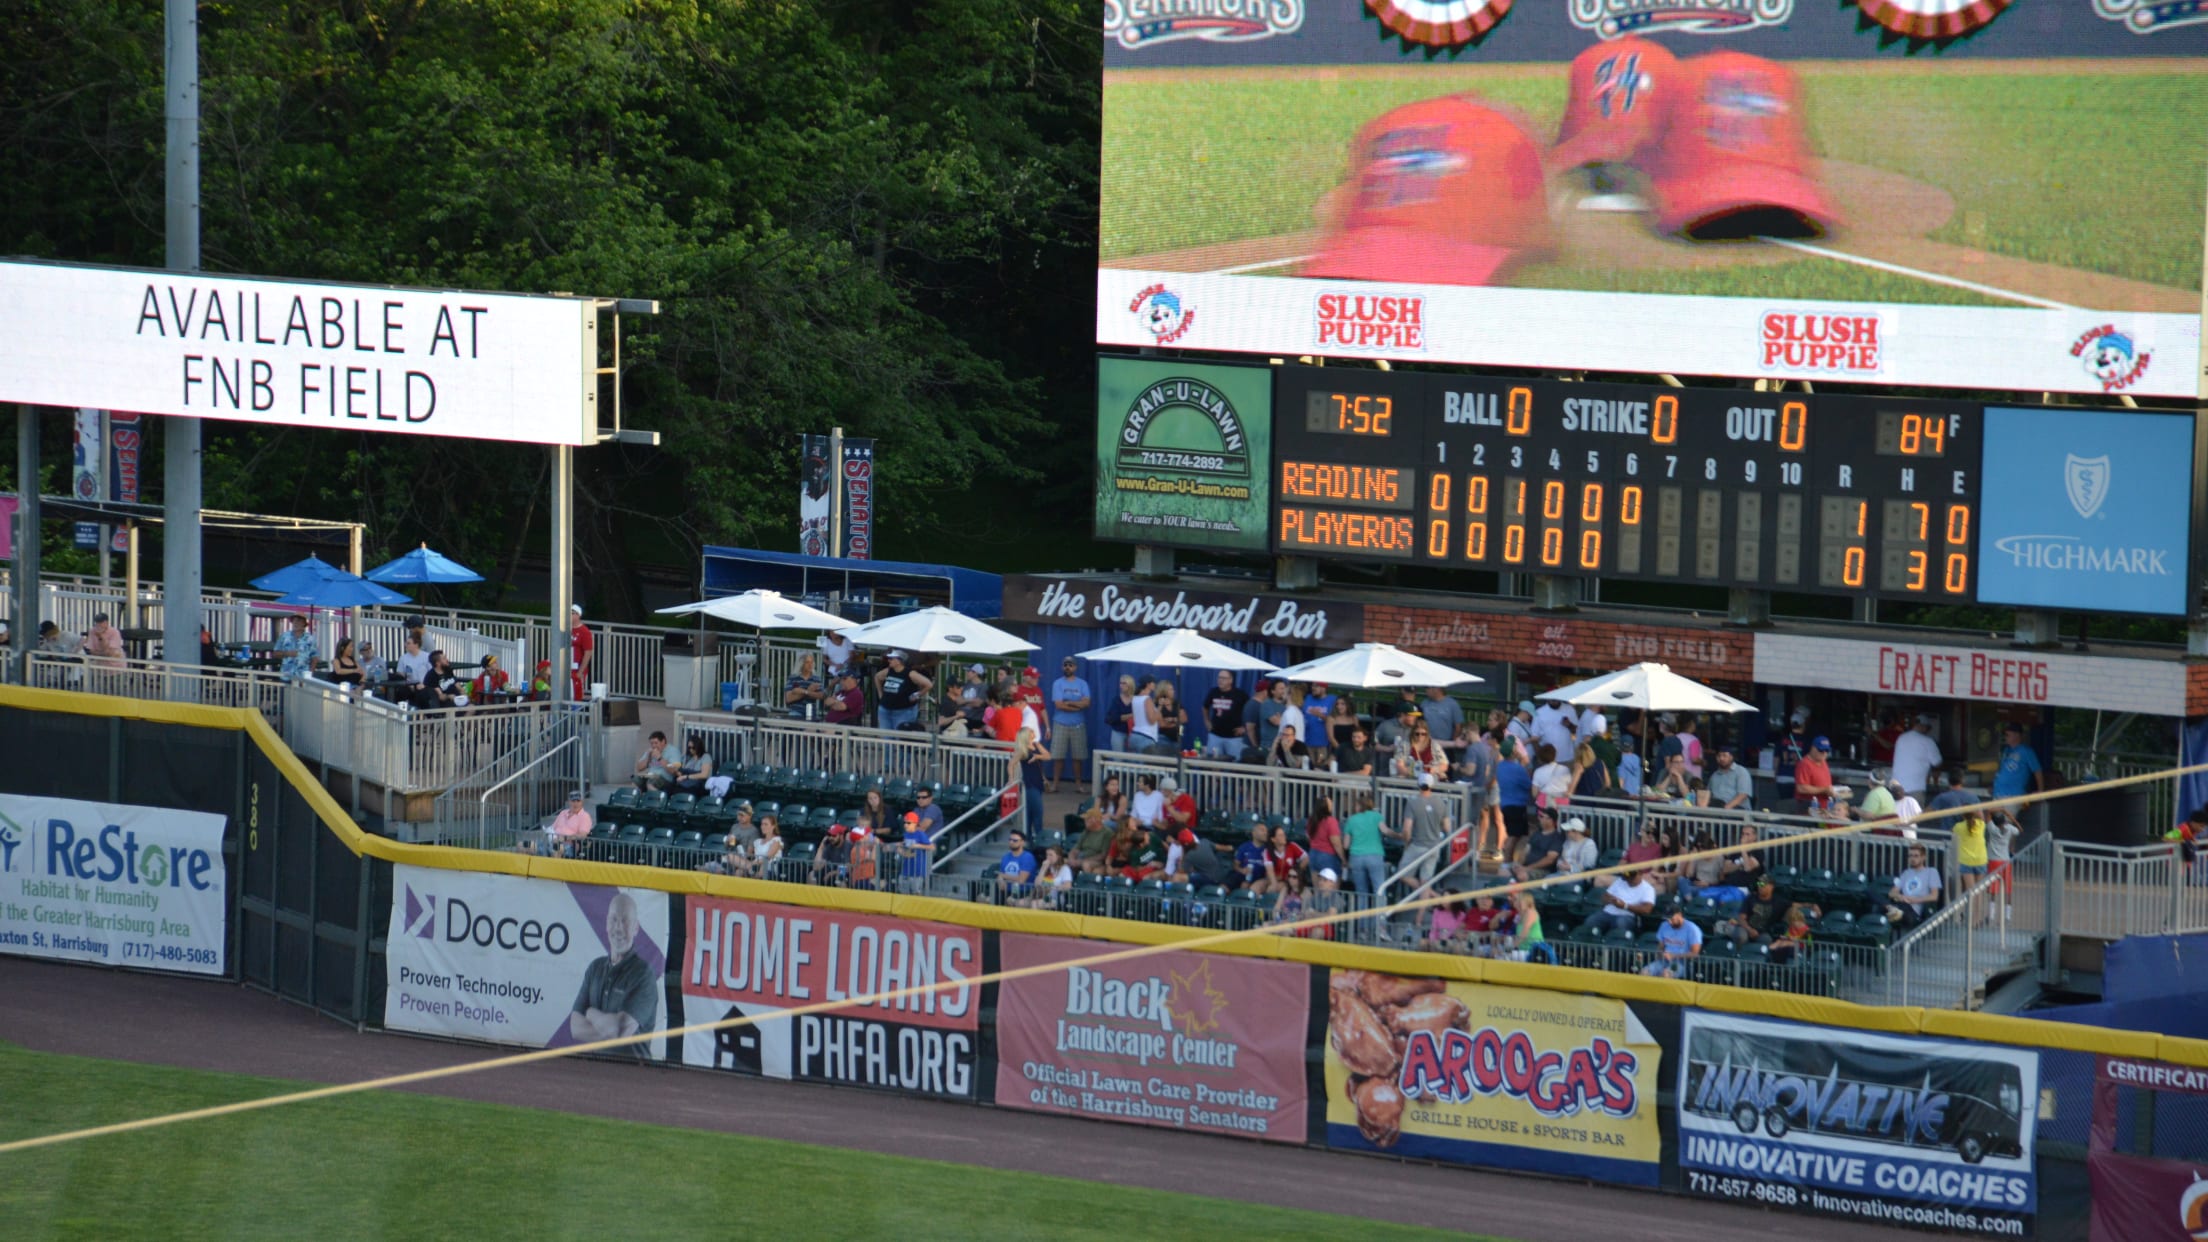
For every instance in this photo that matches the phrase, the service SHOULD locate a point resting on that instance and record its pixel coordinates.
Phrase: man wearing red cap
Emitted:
(1029, 695)
(832, 857)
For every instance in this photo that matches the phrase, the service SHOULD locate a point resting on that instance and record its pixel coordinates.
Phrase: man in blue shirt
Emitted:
(931, 815)
(1069, 727)
(1249, 860)
(919, 843)
(1444, 719)
(1955, 795)
(1016, 870)
(1680, 941)
(1317, 704)
(2019, 772)
(1264, 715)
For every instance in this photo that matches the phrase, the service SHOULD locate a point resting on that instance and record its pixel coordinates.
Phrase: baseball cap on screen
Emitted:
(1445, 191)
(1614, 108)
(1734, 159)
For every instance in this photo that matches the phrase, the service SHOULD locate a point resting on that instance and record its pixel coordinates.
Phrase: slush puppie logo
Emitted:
(1140, 23)
(2111, 357)
(1609, 19)
(1162, 314)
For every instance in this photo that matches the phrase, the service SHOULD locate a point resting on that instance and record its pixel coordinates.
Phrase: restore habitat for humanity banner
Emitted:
(749, 958)
(1918, 1132)
(512, 960)
(115, 884)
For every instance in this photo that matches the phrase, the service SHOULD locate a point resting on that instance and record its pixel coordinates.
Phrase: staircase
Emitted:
(510, 798)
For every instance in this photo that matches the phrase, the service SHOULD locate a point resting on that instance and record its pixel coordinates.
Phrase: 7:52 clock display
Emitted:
(1724, 487)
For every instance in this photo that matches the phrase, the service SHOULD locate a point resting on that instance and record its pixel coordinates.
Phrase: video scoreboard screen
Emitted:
(1781, 492)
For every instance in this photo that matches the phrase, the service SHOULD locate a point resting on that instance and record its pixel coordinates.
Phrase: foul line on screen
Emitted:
(1258, 267)
(1897, 269)
(1413, 902)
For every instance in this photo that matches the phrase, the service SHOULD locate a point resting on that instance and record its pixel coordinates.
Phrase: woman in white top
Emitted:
(1148, 805)
(1053, 880)
(1552, 781)
(767, 848)
(1142, 723)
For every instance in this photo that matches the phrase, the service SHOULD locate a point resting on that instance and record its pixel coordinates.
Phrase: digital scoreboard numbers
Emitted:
(1784, 492)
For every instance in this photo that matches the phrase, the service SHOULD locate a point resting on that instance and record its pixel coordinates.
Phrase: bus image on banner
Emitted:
(1846, 1123)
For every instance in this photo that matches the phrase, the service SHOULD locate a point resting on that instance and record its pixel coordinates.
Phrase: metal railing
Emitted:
(818, 746)
(159, 680)
(1995, 926)
(519, 790)
(2109, 892)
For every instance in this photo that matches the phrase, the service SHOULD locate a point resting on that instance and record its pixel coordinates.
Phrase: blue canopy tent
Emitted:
(868, 589)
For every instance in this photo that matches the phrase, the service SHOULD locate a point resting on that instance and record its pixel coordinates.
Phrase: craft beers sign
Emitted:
(481, 366)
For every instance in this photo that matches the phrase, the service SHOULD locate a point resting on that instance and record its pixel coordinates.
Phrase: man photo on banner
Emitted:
(620, 992)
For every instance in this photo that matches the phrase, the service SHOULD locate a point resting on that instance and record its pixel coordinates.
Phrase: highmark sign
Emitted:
(485, 366)
(119, 885)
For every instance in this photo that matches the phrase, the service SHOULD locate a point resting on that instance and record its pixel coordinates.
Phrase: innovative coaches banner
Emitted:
(1183, 1041)
(749, 958)
(119, 885)
(511, 960)
(1501, 1078)
(1885, 191)
(1871, 1127)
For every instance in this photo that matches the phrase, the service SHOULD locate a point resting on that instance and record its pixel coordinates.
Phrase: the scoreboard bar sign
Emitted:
(486, 366)
(138, 886)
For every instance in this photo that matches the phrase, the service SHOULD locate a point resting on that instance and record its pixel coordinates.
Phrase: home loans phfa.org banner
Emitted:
(748, 958)
(120, 885)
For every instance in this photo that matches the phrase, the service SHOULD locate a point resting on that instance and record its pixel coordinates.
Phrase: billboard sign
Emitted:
(1498, 1077)
(1715, 187)
(2142, 1190)
(1870, 1127)
(483, 366)
(510, 960)
(1182, 453)
(138, 886)
(748, 958)
(1182, 1041)
(2087, 505)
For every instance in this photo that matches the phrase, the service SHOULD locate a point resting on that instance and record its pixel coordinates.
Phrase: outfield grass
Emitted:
(409, 1166)
(2102, 173)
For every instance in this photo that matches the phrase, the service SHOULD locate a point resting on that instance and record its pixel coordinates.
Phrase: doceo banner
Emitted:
(1183, 1041)
(511, 960)
(1182, 453)
(1498, 1077)
(119, 885)
(749, 958)
(1878, 1128)
(485, 366)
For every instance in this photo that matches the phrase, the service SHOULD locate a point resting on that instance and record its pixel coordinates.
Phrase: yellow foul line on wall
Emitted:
(1121, 955)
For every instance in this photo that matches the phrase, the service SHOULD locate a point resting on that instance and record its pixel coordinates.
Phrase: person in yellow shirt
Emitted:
(1970, 852)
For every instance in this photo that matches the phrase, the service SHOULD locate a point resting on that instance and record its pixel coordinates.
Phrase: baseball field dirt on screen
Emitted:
(1901, 191)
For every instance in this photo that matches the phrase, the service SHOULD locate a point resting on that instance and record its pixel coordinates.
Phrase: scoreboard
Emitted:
(1723, 487)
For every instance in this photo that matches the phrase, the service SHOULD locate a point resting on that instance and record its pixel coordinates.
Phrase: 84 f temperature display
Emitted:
(1785, 492)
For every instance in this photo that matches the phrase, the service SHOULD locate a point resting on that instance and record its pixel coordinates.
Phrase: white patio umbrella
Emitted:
(762, 610)
(1370, 665)
(1651, 688)
(1179, 648)
(939, 631)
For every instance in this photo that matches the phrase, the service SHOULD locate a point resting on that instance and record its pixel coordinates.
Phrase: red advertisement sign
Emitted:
(1183, 1041)
(756, 959)
(2141, 1200)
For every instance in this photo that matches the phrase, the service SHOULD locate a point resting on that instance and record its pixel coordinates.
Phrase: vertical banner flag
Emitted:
(818, 475)
(511, 960)
(1498, 1077)
(126, 444)
(90, 458)
(138, 886)
(750, 958)
(7, 528)
(858, 499)
(1906, 1131)
(1183, 1041)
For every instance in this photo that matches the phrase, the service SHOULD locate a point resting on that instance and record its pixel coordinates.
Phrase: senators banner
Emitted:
(1184, 1041)
(748, 957)
(1504, 1078)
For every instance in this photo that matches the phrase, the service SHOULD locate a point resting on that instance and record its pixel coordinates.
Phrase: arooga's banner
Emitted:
(1218, 614)
(1877, 1128)
(750, 958)
(140, 886)
(1183, 1041)
(1504, 1078)
(512, 960)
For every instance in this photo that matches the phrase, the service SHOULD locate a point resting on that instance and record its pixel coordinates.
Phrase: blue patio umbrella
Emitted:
(343, 591)
(293, 577)
(423, 565)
